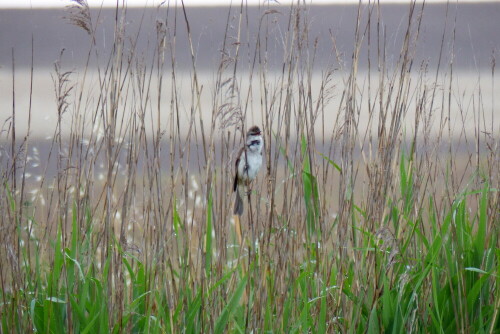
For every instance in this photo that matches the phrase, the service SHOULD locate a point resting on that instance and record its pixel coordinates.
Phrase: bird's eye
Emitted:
(255, 142)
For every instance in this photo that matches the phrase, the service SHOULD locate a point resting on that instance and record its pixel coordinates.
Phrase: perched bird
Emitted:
(248, 164)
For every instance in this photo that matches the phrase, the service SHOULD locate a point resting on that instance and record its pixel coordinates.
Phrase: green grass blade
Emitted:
(480, 237)
(230, 308)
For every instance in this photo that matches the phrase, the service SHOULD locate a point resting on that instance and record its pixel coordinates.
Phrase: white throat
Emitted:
(254, 144)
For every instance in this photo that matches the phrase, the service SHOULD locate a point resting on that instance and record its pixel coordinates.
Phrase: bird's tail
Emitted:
(238, 203)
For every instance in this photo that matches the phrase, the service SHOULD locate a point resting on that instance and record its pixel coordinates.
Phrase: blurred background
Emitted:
(468, 32)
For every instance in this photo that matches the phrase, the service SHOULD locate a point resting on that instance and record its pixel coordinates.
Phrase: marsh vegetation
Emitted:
(377, 209)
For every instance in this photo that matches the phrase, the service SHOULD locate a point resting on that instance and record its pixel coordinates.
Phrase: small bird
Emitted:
(247, 164)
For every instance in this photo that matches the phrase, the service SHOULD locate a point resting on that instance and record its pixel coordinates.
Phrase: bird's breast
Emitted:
(250, 169)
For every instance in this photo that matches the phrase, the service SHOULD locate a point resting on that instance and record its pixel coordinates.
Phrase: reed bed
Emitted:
(360, 221)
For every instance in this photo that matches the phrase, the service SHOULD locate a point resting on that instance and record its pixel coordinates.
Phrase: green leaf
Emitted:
(176, 219)
(76, 264)
(477, 270)
(311, 193)
(230, 308)
(373, 327)
(480, 238)
(337, 167)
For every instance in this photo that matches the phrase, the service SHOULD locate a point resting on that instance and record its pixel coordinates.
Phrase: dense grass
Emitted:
(372, 225)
